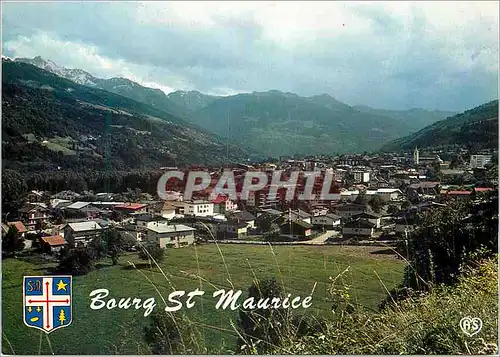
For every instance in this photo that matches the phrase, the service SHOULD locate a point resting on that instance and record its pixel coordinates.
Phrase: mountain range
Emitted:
(51, 123)
(273, 123)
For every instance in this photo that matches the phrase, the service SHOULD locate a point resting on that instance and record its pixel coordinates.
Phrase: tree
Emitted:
(157, 253)
(392, 209)
(272, 234)
(78, 261)
(14, 190)
(406, 205)
(12, 241)
(376, 204)
(360, 199)
(265, 325)
(445, 236)
(115, 244)
(262, 329)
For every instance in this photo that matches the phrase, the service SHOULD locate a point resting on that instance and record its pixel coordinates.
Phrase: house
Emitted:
(405, 224)
(81, 233)
(327, 221)
(35, 196)
(52, 244)
(32, 213)
(130, 208)
(21, 229)
(372, 218)
(232, 229)
(348, 210)
(198, 208)
(422, 189)
(223, 204)
(142, 220)
(319, 211)
(298, 215)
(358, 227)
(271, 211)
(85, 209)
(360, 176)
(389, 194)
(166, 235)
(244, 216)
(296, 229)
(479, 161)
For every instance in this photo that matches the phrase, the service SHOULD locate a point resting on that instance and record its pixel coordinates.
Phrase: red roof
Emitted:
(53, 240)
(132, 206)
(19, 225)
(459, 192)
(483, 189)
(220, 199)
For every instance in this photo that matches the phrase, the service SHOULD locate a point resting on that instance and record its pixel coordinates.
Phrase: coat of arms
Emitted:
(47, 302)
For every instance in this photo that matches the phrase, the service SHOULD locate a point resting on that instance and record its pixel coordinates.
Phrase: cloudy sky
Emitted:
(387, 55)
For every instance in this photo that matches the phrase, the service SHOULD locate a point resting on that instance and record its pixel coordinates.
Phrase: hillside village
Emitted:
(380, 198)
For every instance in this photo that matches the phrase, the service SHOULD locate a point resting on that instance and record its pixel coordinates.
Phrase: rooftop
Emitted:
(166, 228)
(84, 226)
(53, 240)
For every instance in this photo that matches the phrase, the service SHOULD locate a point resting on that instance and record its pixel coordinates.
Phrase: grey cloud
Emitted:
(393, 67)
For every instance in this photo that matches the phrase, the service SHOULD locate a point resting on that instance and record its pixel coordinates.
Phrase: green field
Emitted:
(117, 331)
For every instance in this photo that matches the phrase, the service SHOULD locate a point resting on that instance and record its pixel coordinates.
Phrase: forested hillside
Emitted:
(474, 129)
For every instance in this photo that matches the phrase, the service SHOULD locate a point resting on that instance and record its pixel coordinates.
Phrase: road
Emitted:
(322, 238)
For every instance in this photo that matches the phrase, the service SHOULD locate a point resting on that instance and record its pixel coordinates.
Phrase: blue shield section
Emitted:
(33, 286)
(33, 316)
(62, 316)
(61, 285)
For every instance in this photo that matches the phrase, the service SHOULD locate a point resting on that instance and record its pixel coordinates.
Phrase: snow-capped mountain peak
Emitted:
(76, 75)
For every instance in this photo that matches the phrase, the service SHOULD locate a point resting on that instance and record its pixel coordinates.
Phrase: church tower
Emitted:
(415, 156)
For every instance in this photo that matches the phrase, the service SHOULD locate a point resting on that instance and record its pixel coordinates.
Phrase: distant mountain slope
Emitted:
(415, 118)
(50, 122)
(475, 128)
(284, 123)
(191, 100)
(122, 86)
(272, 122)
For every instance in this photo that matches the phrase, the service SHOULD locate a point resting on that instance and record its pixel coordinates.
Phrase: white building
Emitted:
(81, 233)
(376, 220)
(349, 195)
(298, 215)
(198, 208)
(348, 210)
(389, 194)
(479, 161)
(361, 176)
(328, 221)
(359, 227)
(169, 235)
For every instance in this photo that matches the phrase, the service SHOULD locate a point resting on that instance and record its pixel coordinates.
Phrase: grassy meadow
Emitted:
(299, 268)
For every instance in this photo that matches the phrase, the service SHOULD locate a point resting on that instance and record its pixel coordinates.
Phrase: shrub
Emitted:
(169, 335)
(428, 324)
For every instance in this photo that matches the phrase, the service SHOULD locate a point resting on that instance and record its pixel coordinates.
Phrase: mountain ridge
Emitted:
(476, 129)
(51, 123)
(281, 123)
